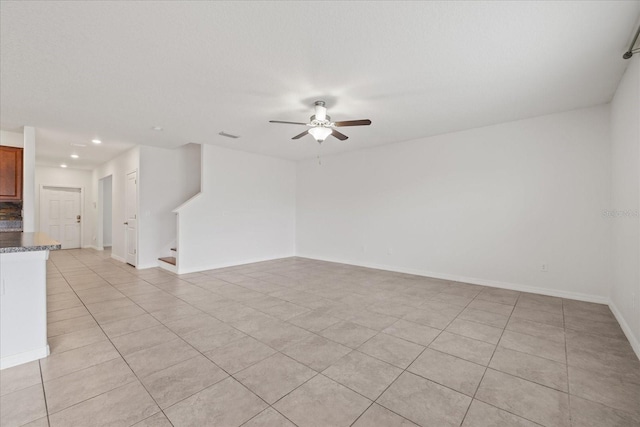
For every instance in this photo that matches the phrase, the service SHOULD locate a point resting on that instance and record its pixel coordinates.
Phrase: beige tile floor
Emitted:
(309, 343)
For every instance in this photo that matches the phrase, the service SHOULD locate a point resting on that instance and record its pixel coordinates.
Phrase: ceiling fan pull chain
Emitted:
(319, 153)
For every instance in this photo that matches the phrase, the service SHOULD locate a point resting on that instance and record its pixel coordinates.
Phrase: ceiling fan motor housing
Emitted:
(321, 112)
(314, 121)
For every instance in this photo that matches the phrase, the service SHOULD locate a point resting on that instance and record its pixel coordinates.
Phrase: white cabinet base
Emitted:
(23, 307)
(19, 359)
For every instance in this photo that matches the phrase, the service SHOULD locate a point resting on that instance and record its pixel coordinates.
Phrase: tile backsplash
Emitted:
(10, 211)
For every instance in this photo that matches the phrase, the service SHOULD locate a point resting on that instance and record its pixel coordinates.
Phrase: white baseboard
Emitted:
(145, 266)
(27, 356)
(474, 281)
(118, 258)
(633, 340)
(230, 264)
(166, 266)
(92, 247)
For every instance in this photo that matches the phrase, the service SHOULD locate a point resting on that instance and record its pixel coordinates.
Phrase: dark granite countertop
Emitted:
(16, 241)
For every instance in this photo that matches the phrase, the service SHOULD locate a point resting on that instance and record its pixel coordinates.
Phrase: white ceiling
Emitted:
(54, 147)
(113, 70)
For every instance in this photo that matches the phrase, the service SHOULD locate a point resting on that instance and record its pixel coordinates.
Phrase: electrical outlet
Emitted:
(544, 268)
(390, 251)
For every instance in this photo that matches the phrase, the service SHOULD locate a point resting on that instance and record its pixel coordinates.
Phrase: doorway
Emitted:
(107, 212)
(131, 218)
(61, 215)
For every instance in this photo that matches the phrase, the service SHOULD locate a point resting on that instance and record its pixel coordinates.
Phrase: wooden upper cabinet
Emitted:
(10, 174)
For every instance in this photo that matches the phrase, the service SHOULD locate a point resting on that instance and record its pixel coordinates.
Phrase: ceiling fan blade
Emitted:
(287, 123)
(301, 135)
(365, 122)
(340, 136)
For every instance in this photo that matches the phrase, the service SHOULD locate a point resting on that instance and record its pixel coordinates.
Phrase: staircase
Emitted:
(169, 262)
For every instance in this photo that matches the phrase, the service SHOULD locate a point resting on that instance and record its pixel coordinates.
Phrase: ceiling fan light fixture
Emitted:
(321, 126)
(320, 133)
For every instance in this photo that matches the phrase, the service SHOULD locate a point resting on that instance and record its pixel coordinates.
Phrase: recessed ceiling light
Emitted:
(158, 128)
(96, 141)
(63, 166)
(73, 144)
(74, 156)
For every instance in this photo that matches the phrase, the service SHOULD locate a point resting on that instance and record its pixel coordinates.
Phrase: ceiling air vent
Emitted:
(228, 135)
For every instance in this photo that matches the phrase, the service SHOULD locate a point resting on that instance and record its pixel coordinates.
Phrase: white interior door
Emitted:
(60, 215)
(131, 220)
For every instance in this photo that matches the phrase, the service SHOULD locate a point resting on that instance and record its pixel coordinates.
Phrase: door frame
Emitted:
(99, 245)
(137, 215)
(82, 213)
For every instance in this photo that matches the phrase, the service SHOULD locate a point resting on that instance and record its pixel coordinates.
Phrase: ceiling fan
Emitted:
(321, 125)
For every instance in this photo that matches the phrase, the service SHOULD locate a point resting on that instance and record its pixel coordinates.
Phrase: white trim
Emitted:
(195, 196)
(82, 201)
(474, 281)
(166, 266)
(232, 264)
(633, 340)
(27, 356)
(100, 212)
(100, 215)
(145, 266)
(177, 254)
(117, 258)
(179, 208)
(635, 344)
(126, 175)
(92, 247)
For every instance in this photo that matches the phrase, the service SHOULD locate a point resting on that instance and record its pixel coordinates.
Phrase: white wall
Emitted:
(625, 136)
(189, 161)
(107, 211)
(58, 177)
(245, 213)
(487, 205)
(11, 139)
(168, 178)
(118, 168)
(28, 180)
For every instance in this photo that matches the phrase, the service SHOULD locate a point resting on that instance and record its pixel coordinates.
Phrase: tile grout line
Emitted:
(320, 373)
(44, 394)
(566, 355)
(405, 370)
(175, 364)
(490, 359)
(121, 356)
(299, 289)
(180, 337)
(136, 375)
(502, 409)
(229, 375)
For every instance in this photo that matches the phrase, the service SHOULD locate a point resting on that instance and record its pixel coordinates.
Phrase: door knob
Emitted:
(126, 223)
